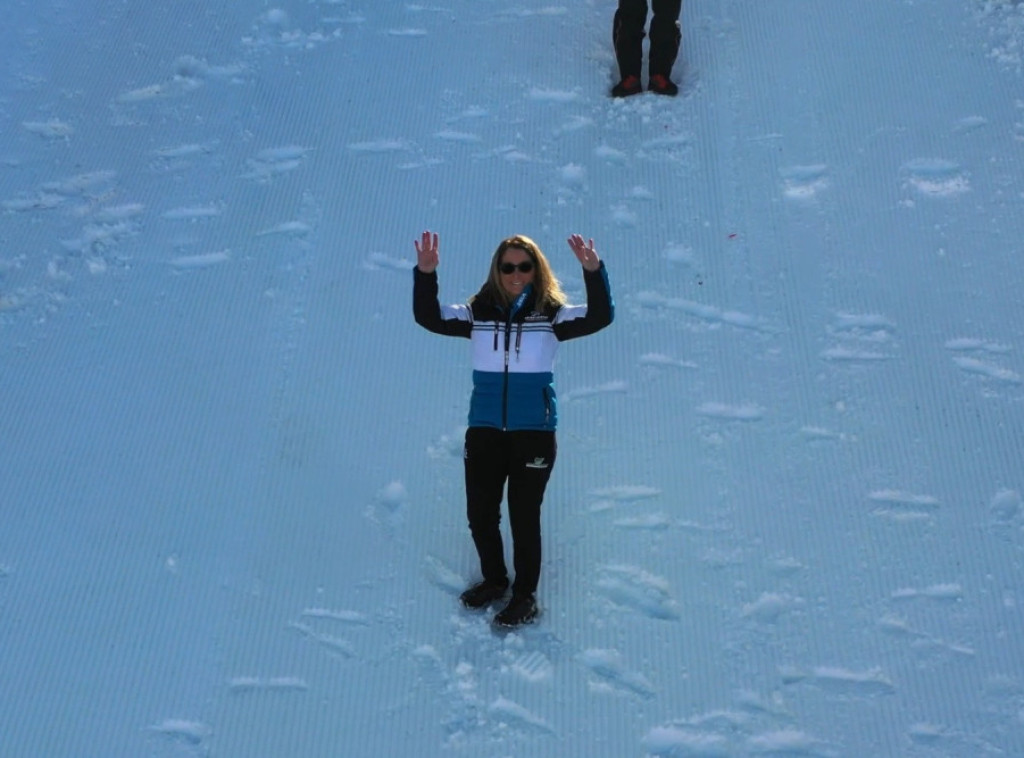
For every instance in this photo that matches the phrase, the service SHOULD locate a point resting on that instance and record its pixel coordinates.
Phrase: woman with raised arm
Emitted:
(514, 324)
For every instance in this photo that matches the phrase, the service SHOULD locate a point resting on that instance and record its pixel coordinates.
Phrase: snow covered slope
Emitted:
(786, 516)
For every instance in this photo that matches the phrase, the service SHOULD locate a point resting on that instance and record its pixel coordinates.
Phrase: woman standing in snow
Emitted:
(514, 323)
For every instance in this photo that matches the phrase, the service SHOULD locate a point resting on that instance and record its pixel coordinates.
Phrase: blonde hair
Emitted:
(545, 284)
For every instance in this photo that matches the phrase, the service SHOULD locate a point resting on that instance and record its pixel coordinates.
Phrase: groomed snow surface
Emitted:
(786, 518)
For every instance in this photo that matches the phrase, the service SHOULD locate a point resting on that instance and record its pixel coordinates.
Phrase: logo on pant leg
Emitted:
(537, 463)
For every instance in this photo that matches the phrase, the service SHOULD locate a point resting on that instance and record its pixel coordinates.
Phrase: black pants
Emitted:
(524, 459)
(628, 36)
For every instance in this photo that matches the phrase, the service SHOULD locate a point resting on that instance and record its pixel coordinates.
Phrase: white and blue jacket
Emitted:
(513, 347)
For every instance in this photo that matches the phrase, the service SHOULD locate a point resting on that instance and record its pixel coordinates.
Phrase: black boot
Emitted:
(483, 593)
(521, 609)
(666, 37)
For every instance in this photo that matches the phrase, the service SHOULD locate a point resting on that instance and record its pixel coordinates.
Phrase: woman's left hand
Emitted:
(585, 252)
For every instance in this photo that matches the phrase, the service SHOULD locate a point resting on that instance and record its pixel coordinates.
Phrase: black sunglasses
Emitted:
(525, 267)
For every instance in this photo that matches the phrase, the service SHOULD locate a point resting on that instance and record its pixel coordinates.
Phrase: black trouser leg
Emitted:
(665, 36)
(628, 36)
(531, 462)
(486, 468)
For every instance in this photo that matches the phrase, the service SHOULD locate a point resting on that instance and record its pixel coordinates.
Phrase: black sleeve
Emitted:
(579, 321)
(427, 310)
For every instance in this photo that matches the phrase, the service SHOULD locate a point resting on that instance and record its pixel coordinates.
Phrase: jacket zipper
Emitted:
(504, 388)
(516, 306)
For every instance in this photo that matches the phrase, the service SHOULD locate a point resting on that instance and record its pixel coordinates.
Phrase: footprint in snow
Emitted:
(899, 505)
(53, 129)
(970, 124)
(935, 177)
(663, 360)
(770, 606)
(973, 356)
(711, 315)
(609, 388)
(804, 182)
(677, 253)
(444, 577)
(861, 337)
(612, 674)
(950, 741)
(338, 648)
(1005, 508)
(292, 229)
(276, 160)
(638, 590)
(383, 262)
(509, 713)
(192, 213)
(948, 592)
(607, 498)
(200, 261)
(841, 680)
(455, 136)
(240, 685)
(182, 730)
(731, 412)
(533, 667)
(901, 628)
(540, 95)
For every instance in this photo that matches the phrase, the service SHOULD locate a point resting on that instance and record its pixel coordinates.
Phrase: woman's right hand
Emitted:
(426, 253)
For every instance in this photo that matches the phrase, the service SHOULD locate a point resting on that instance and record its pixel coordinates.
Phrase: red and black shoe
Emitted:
(662, 85)
(630, 85)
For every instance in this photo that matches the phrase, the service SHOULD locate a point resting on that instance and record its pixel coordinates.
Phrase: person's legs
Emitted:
(628, 36)
(532, 459)
(665, 36)
(485, 460)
